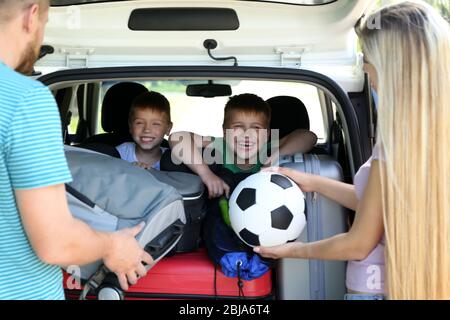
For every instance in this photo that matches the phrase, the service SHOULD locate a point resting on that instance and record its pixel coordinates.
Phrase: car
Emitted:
(297, 54)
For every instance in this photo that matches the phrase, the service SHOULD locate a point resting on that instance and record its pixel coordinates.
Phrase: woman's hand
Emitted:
(288, 250)
(304, 180)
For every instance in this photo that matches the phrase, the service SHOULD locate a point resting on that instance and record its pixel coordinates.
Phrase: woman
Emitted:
(405, 203)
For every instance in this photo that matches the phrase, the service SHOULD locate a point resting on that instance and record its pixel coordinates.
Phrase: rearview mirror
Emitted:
(209, 90)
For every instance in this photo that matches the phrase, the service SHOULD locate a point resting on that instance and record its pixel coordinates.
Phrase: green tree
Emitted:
(443, 6)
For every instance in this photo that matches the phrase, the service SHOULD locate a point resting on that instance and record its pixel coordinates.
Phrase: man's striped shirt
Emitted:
(31, 156)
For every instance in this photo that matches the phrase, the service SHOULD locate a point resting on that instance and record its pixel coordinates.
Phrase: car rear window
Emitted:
(204, 116)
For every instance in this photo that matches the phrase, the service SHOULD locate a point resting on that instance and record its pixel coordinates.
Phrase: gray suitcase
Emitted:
(192, 189)
(188, 185)
(300, 279)
(109, 194)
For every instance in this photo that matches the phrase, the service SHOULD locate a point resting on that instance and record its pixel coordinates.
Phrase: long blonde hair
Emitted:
(411, 55)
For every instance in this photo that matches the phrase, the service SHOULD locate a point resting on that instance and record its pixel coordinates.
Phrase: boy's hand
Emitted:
(216, 186)
(273, 160)
(303, 180)
(142, 165)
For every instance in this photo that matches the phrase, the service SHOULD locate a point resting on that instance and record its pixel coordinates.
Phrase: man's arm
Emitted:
(60, 239)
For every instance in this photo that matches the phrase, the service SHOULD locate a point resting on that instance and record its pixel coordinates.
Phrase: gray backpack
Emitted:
(110, 194)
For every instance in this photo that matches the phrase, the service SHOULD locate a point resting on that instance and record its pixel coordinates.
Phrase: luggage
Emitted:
(92, 197)
(299, 279)
(228, 251)
(191, 276)
(187, 184)
(192, 189)
(224, 247)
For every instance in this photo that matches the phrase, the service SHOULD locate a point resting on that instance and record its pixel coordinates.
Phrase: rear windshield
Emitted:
(295, 2)
(189, 113)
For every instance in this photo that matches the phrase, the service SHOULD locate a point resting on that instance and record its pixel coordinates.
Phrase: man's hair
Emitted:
(247, 103)
(150, 100)
(8, 8)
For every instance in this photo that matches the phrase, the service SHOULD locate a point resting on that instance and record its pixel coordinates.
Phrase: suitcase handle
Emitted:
(167, 238)
(105, 279)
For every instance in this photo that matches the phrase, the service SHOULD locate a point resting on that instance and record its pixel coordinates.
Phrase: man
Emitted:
(37, 232)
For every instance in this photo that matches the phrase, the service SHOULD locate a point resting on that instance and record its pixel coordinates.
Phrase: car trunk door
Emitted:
(316, 37)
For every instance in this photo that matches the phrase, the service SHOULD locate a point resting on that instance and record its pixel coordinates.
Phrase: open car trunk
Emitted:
(259, 47)
(318, 37)
(290, 280)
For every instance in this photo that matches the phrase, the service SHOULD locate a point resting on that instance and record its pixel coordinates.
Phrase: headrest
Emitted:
(288, 114)
(116, 106)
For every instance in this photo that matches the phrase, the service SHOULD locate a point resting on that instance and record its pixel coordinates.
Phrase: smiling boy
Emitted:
(149, 121)
(244, 146)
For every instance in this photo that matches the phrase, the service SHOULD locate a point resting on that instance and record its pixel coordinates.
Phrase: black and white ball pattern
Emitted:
(267, 209)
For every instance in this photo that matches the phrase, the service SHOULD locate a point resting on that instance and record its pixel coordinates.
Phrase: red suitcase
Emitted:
(190, 276)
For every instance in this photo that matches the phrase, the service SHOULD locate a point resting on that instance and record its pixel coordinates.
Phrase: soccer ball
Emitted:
(267, 209)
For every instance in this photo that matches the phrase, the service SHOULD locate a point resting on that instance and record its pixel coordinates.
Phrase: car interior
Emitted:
(97, 113)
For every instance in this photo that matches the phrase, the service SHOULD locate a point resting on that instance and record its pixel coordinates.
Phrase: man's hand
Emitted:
(216, 186)
(125, 257)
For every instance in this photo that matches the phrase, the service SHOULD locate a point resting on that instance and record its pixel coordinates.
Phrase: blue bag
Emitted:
(224, 247)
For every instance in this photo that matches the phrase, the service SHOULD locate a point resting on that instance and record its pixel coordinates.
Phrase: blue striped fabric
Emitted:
(31, 156)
